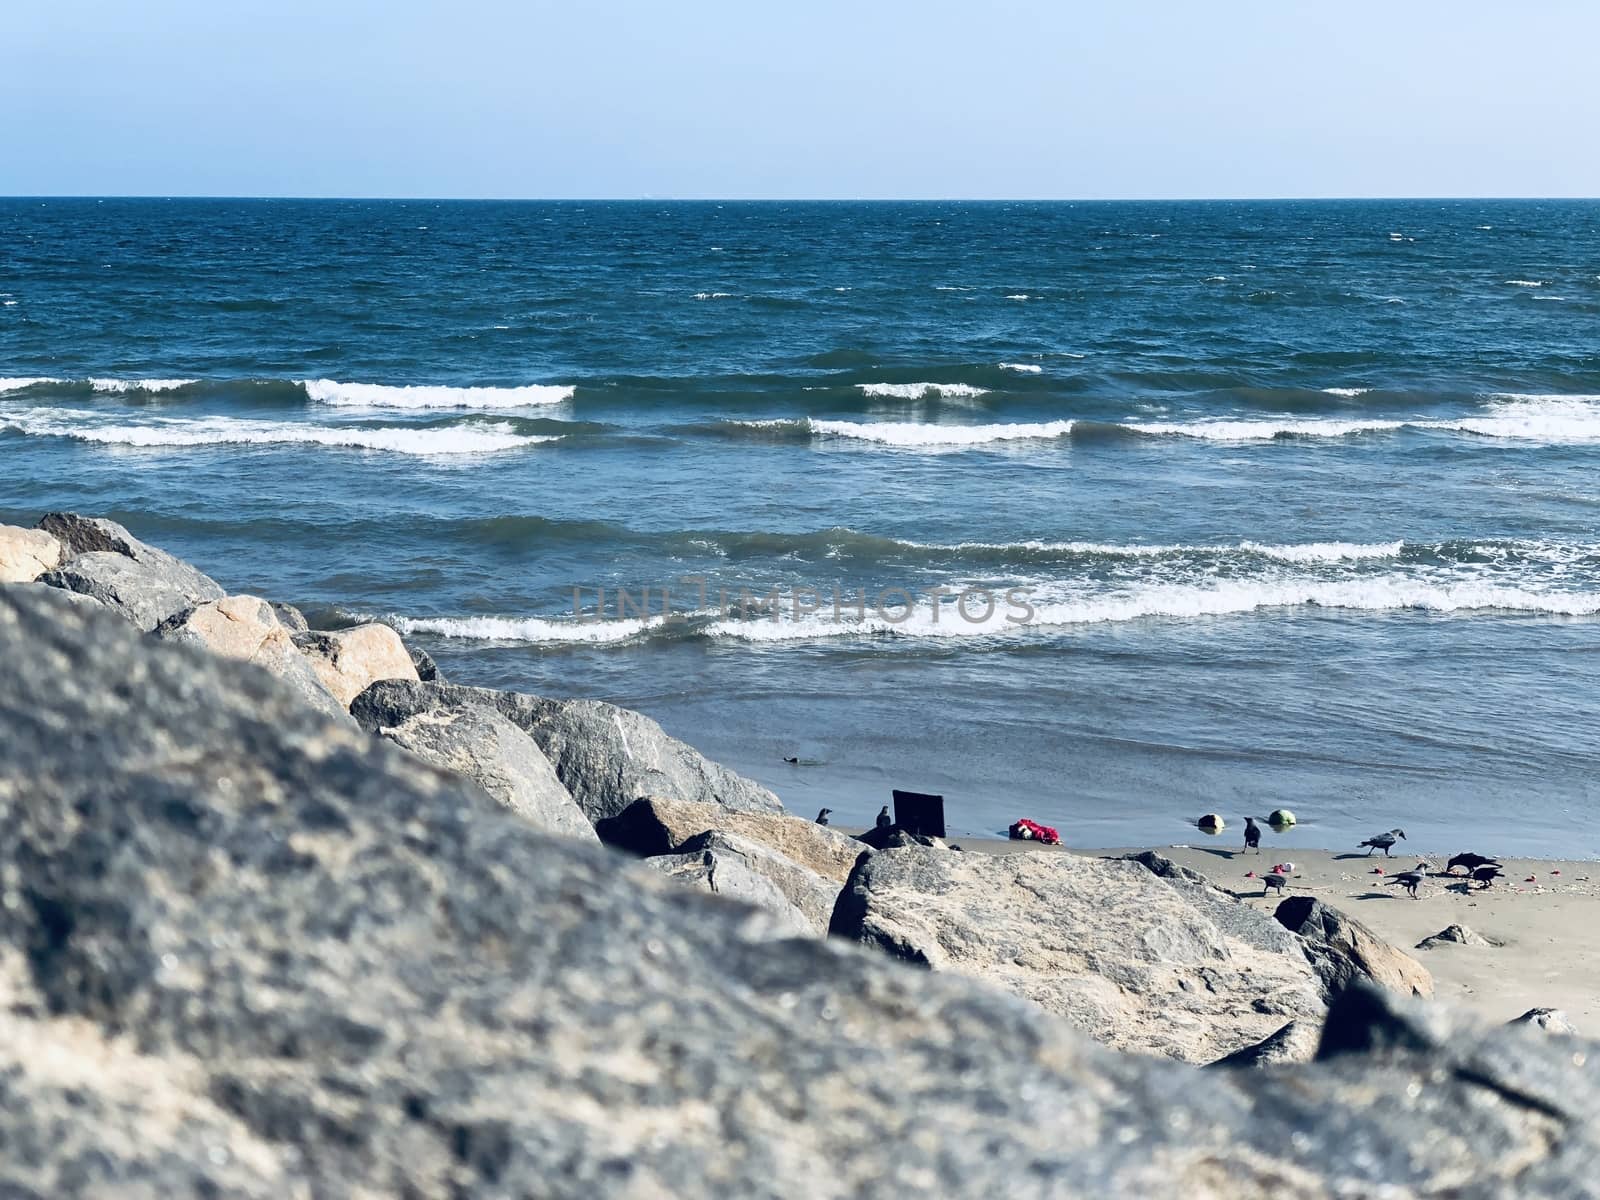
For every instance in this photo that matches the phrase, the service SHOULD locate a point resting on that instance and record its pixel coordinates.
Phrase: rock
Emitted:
(1549, 1020)
(802, 888)
(492, 752)
(247, 629)
(889, 837)
(290, 617)
(1296, 1042)
(26, 554)
(106, 562)
(427, 669)
(1222, 908)
(94, 535)
(1458, 935)
(607, 756)
(1120, 953)
(143, 595)
(724, 871)
(655, 826)
(246, 952)
(348, 661)
(1343, 950)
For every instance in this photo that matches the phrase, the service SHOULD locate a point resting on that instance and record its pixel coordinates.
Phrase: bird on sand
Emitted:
(822, 817)
(1470, 861)
(1382, 841)
(1412, 880)
(1272, 879)
(884, 819)
(1486, 875)
(1252, 835)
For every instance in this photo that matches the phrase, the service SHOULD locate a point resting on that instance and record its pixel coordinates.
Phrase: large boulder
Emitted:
(1296, 1042)
(802, 888)
(245, 951)
(607, 756)
(492, 752)
(1345, 950)
(348, 661)
(1114, 949)
(655, 825)
(723, 870)
(106, 562)
(247, 629)
(1546, 1020)
(26, 554)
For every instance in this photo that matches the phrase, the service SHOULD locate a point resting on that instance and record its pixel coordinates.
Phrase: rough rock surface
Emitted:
(1454, 935)
(723, 870)
(800, 886)
(247, 629)
(492, 752)
(1119, 952)
(105, 561)
(26, 554)
(1549, 1020)
(1344, 949)
(607, 756)
(247, 952)
(1296, 1042)
(348, 661)
(427, 669)
(657, 826)
(290, 617)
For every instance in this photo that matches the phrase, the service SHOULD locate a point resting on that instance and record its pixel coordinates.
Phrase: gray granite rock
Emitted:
(492, 752)
(725, 870)
(657, 826)
(801, 888)
(106, 562)
(1119, 952)
(290, 617)
(1546, 1020)
(245, 951)
(1296, 1042)
(1454, 935)
(1344, 950)
(607, 757)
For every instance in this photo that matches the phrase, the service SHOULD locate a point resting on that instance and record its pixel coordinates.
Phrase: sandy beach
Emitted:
(1541, 912)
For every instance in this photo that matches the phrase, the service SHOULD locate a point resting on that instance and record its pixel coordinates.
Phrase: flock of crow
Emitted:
(1480, 869)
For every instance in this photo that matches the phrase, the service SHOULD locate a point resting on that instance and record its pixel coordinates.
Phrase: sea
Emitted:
(1103, 514)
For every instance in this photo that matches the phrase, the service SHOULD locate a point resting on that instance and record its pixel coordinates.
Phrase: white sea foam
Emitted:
(15, 383)
(1168, 600)
(1019, 296)
(120, 386)
(1325, 552)
(713, 295)
(528, 629)
(917, 391)
(910, 435)
(223, 431)
(375, 395)
(1262, 430)
(1022, 368)
(1346, 391)
(1525, 283)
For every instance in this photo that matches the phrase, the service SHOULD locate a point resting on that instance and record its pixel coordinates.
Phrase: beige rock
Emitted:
(653, 826)
(1344, 949)
(1119, 952)
(246, 628)
(349, 661)
(26, 554)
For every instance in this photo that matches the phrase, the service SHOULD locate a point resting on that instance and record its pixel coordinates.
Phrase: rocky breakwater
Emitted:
(249, 950)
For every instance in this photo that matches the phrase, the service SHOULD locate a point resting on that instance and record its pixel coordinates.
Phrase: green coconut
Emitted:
(1281, 818)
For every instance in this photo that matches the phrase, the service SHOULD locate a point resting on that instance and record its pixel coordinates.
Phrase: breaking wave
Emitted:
(375, 395)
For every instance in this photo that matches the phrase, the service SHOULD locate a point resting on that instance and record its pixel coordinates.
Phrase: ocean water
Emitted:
(1299, 500)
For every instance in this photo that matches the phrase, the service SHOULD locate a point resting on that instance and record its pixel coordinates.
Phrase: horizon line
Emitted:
(649, 199)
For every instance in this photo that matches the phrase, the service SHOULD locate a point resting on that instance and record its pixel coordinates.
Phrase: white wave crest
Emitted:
(1172, 601)
(229, 431)
(917, 436)
(917, 391)
(1525, 282)
(1346, 391)
(375, 395)
(1262, 430)
(713, 295)
(528, 629)
(1325, 552)
(1022, 368)
(15, 383)
(120, 386)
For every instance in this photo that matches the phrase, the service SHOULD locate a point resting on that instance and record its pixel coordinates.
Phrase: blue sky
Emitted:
(762, 98)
